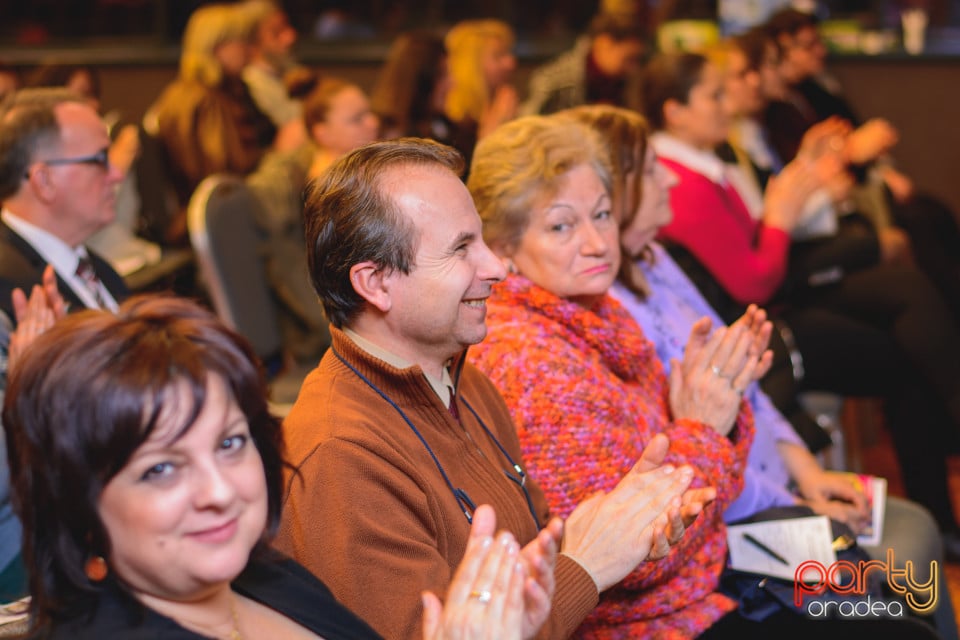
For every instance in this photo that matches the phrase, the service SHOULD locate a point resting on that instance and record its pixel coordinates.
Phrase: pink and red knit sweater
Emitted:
(587, 392)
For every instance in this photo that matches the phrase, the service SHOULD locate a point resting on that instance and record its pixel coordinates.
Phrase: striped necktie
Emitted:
(88, 276)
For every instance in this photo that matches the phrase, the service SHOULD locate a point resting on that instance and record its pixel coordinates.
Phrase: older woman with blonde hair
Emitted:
(578, 374)
(206, 118)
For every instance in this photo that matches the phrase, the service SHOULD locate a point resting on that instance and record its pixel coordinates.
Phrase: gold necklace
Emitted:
(235, 632)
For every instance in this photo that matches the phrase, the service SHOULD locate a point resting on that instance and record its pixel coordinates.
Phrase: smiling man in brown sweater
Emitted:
(396, 440)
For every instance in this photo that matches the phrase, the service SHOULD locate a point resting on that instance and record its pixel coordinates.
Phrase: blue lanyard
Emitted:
(463, 499)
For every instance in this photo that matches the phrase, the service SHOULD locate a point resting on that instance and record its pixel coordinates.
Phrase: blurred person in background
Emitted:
(481, 63)
(337, 117)
(597, 70)
(206, 118)
(271, 57)
(411, 90)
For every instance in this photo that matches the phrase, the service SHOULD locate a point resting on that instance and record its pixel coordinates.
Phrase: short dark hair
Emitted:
(348, 219)
(789, 21)
(619, 26)
(27, 123)
(754, 44)
(88, 393)
(669, 76)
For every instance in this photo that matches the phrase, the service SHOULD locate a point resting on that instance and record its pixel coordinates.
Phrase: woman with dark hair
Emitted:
(411, 89)
(148, 476)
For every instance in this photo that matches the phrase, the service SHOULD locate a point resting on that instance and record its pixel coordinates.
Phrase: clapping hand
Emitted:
(499, 590)
(669, 529)
(717, 367)
(609, 534)
(35, 315)
(870, 140)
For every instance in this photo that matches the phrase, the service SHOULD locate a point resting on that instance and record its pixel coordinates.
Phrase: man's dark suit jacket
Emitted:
(22, 267)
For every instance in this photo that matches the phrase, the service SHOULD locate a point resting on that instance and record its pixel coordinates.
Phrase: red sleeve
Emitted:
(748, 259)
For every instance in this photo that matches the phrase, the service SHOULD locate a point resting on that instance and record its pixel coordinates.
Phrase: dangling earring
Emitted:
(95, 568)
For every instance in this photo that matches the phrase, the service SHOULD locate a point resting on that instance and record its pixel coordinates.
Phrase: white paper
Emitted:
(875, 489)
(796, 540)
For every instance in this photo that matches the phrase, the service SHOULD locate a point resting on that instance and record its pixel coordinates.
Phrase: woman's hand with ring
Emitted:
(702, 386)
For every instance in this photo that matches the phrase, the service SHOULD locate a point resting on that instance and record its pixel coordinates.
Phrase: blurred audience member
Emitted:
(271, 46)
(206, 118)
(116, 242)
(338, 118)
(79, 78)
(596, 70)
(481, 65)
(411, 90)
(9, 79)
(58, 189)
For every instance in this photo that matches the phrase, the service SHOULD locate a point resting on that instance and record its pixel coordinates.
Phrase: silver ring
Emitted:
(716, 371)
(483, 597)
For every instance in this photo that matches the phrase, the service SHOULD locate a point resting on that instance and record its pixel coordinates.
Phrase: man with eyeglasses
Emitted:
(396, 439)
(58, 188)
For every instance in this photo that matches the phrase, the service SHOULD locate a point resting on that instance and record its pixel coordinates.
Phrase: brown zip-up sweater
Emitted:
(369, 512)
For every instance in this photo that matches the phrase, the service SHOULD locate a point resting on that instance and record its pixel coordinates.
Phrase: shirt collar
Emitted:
(442, 386)
(703, 162)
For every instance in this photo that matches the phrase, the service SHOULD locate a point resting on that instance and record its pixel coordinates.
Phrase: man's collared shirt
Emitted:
(442, 386)
(63, 258)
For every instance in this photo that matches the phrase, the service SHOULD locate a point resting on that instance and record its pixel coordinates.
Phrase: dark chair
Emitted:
(228, 247)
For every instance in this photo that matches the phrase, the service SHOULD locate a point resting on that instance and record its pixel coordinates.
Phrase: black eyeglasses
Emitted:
(100, 159)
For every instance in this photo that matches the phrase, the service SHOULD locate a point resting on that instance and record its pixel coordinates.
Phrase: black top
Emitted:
(277, 582)
(825, 103)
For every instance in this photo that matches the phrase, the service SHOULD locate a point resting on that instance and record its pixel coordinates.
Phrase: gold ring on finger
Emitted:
(483, 597)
